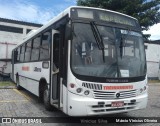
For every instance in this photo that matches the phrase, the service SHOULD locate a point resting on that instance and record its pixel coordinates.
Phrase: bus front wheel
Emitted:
(46, 100)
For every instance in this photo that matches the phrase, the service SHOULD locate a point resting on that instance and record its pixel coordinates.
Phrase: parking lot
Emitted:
(15, 103)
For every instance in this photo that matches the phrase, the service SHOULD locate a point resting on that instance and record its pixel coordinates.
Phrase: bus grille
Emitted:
(92, 86)
(108, 108)
(112, 95)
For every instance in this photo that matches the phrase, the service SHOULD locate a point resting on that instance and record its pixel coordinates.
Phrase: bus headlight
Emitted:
(79, 90)
(86, 92)
(72, 85)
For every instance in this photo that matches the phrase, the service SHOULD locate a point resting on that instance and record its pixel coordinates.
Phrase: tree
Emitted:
(146, 11)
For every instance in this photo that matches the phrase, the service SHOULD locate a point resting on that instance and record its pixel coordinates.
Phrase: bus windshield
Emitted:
(122, 55)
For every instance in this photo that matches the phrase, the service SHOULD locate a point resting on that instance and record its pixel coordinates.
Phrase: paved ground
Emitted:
(14, 103)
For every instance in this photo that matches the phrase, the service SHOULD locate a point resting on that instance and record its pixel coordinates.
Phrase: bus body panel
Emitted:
(64, 99)
(30, 75)
(84, 106)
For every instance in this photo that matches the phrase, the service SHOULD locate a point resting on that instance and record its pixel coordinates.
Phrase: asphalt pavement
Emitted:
(15, 103)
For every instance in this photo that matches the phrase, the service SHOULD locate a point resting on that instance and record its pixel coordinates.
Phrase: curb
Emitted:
(154, 84)
(7, 87)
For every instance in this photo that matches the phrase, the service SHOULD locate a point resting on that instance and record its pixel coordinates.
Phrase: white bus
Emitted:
(86, 61)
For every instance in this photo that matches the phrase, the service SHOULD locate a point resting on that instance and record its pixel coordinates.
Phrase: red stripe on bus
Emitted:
(25, 68)
(117, 87)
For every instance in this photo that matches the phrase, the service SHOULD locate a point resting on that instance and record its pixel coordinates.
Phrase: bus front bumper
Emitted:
(85, 106)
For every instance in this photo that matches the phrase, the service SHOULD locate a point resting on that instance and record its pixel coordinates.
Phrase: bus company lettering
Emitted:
(117, 81)
(36, 69)
(117, 87)
(25, 68)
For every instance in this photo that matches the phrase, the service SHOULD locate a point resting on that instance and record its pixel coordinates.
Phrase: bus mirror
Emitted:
(68, 32)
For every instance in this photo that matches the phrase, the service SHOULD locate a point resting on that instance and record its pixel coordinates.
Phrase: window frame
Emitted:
(22, 52)
(39, 35)
(30, 41)
(50, 39)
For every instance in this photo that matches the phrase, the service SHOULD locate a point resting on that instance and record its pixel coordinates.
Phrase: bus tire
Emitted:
(46, 100)
(17, 83)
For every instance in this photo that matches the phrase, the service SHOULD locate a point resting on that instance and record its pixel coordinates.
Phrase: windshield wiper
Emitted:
(98, 38)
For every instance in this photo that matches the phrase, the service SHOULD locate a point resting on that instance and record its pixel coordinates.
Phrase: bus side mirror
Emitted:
(68, 32)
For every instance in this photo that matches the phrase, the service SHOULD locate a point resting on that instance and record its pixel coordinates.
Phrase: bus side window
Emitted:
(18, 54)
(56, 50)
(44, 48)
(35, 49)
(22, 53)
(28, 51)
(15, 56)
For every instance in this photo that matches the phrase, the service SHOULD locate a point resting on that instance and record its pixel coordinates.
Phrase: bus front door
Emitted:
(55, 81)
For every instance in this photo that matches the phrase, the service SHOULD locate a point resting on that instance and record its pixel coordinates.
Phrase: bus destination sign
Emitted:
(117, 19)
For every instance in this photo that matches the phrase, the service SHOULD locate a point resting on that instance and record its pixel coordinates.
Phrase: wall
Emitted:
(8, 41)
(153, 59)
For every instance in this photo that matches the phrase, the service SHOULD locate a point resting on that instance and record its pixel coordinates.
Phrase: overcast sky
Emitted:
(41, 11)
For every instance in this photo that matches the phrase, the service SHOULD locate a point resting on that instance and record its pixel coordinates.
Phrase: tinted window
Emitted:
(28, 30)
(56, 50)
(35, 49)
(22, 53)
(28, 51)
(18, 54)
(123, 55)
(11, 29)
(23, 48)
(44, 49)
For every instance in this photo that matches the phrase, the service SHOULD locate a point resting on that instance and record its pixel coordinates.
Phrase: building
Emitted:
(153, 59)
(12, 32)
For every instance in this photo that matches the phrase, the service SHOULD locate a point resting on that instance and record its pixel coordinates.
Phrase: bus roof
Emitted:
(63, 13)
(103, 10)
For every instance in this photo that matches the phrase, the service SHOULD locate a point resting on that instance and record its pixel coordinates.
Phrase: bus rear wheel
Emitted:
(46, 100)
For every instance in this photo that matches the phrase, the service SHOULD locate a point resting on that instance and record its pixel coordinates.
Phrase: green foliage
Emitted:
(146, 11)
(6, 83)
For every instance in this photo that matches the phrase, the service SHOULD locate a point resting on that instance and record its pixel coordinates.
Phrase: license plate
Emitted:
(117, 104)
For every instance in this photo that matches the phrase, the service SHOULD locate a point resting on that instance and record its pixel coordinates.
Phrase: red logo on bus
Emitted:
(25, 68)
(117, 87)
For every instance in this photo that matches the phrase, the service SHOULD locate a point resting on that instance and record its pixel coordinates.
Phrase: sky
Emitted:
(41, 11)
